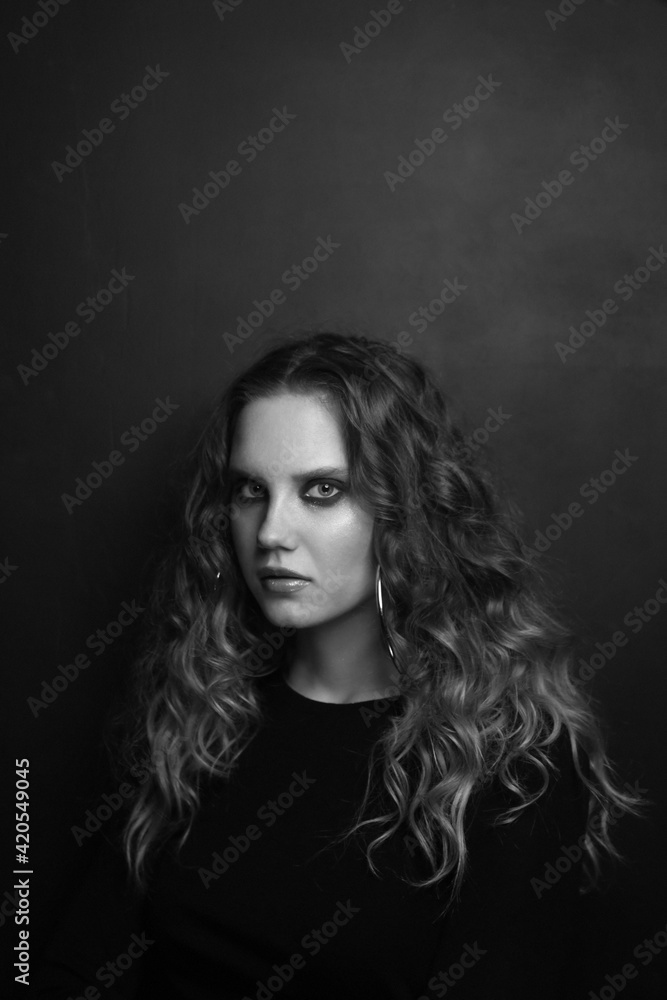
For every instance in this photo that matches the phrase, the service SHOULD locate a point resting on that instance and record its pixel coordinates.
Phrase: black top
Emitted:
(260, 902)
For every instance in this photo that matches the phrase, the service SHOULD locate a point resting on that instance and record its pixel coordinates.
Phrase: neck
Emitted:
(342, 661)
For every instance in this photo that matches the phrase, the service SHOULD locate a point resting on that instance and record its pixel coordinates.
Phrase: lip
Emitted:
(281, 580)
(279, 571)
(283, 584)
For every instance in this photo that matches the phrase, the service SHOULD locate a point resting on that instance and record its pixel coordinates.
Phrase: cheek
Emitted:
(349, 546)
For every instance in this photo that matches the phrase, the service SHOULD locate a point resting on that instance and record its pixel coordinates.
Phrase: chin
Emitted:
(282, 617)
(292, 615)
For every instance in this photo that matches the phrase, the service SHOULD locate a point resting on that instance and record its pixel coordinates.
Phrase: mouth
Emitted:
(282, 581)
(276, 572)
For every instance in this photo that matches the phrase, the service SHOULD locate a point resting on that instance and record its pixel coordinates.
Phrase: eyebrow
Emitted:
(324, 472)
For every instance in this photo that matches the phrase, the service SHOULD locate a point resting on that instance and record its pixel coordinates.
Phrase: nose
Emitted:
(276, 528)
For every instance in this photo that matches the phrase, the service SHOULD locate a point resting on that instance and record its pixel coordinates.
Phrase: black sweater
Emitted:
(260, 902)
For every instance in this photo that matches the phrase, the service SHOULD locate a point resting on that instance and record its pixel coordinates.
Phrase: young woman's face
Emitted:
(290, 479)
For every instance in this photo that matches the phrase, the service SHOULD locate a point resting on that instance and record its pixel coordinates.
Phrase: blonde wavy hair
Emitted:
(486, 683)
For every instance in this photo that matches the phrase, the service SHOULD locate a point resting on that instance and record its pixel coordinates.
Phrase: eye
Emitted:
(326, 490)
(249, 489)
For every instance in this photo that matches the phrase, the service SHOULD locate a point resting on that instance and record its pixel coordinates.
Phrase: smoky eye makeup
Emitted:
(317, 490)
(338, 490)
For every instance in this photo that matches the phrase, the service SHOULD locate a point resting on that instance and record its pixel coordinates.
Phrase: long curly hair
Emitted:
(486, 666)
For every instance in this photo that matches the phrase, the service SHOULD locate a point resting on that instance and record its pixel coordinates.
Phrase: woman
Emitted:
(371, 772)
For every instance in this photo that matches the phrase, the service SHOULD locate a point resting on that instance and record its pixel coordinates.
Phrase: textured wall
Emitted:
(569, 115)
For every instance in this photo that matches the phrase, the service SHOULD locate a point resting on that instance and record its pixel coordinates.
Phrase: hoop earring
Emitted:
(379, 602)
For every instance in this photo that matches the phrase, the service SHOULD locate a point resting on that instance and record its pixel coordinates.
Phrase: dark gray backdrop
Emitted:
(350, 107)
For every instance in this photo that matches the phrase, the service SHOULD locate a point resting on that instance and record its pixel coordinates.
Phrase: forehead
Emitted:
(297, 431)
